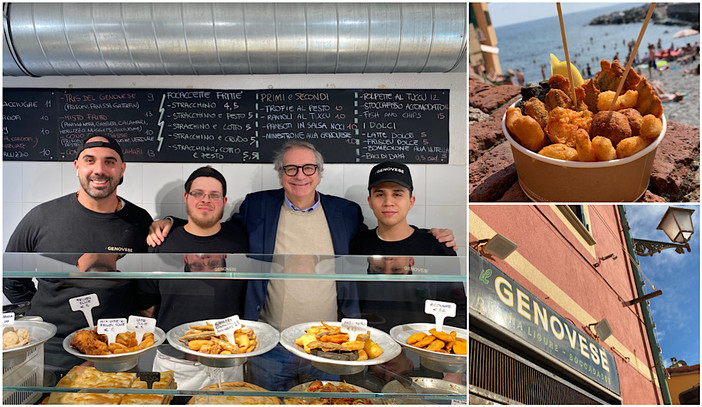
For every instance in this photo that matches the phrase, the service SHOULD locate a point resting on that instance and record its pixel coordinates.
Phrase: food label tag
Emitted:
(112, 327)
(227, 326)
(149, 377)
(440, 310)
(140, 326)
(85, 304)
(354, 327)
(8, 318)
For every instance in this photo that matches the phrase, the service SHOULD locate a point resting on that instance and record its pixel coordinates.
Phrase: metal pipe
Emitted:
(648, 322)
(232, 38)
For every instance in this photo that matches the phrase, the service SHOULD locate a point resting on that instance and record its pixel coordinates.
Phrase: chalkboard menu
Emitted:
(229, 126)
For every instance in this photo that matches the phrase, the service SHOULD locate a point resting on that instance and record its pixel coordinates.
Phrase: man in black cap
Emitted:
(92, 220)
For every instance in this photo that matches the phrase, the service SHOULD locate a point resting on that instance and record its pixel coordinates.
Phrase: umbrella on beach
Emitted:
(685, 33)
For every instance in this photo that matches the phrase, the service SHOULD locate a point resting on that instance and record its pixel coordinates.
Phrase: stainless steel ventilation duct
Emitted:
(43, 39)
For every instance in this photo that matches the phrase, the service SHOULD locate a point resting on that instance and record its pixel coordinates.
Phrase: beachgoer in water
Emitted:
(589, 73)
(520, 77)
(543, 72)
(660, 43)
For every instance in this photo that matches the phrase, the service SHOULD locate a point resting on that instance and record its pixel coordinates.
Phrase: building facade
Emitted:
(533, 314)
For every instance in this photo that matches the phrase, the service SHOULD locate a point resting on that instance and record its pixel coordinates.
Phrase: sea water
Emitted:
(526, 46)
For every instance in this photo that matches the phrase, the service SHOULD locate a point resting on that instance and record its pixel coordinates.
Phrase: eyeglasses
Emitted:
(307, 169)
(199, 195)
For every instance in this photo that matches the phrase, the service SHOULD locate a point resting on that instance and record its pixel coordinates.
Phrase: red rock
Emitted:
(490, 98)
(514, 194)
(491, 175)
(675, 172)
(649, 196)
(485, 134)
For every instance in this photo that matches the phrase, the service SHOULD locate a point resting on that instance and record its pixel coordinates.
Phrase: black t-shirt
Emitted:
(63, 225)
(386, 305)
(181, 301)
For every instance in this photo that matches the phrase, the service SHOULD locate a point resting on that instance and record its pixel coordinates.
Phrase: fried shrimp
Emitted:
(583, 146)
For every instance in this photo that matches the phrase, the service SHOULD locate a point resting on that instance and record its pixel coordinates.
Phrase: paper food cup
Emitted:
(545, 179)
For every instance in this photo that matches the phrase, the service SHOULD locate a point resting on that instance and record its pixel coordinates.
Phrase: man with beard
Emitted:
(92, 220)
(174, 302)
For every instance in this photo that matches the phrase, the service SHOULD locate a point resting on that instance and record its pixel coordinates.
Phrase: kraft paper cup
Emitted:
(545, 179)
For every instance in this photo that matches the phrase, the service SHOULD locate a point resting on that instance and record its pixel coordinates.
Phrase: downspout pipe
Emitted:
(648, 322)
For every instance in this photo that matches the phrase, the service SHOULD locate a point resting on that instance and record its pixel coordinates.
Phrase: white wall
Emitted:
(441, 190)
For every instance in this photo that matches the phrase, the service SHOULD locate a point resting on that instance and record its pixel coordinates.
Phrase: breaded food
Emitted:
(557, 98)
(560, 152)
(563, 125)
(630, 146)
(89, 342)
(648, 102)
(651, 127)
(583, 146)
(414, 338)
(624, 101)
(589, 94)
(536, 109)
(610, 74)
(616, 129)
(602, 147)
(525, 129)
(559, 82)
(635, 119)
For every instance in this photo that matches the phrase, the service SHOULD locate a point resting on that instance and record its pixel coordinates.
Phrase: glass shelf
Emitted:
(234, 266)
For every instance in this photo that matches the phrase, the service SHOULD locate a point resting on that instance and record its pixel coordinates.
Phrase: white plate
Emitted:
(445, 362)
(314, 400)
(39, 332)
(117, 362)
(266, 339)
(390, 348)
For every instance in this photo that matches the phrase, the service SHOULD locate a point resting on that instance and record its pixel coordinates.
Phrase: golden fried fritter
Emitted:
(635, 119)
(583, 146)
(559, 82)
(557, 98)
(630, 146)
(525, 129)
(563, 125)
(624, 101)
(588, 93)
(560, 152)
(648, 102)
(537, 110)
(616, 129)
(651, 127)
(610, 74)
(602, 146)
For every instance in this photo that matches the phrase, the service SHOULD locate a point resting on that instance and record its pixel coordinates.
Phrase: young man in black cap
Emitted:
(92, 220)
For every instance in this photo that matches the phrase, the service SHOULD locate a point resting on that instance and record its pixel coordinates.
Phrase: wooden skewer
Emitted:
(631, 60)
(565, 48)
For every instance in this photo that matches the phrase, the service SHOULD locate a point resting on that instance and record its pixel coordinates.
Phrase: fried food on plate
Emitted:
(630, 146)
(525, 129)
(610, 74)
(557, 98)
(616, 129)
(583, 146)
(603, 149)
(536, 109)
(563, 124)
(651, 127)
(624, 101)
(89, 342)
(648, 102)
(589, 95)
(438, 341)
(559, 82)
(635, 119)
(329, 342)
(560, 152)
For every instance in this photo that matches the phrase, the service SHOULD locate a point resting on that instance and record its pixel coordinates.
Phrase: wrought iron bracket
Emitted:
(650, 247)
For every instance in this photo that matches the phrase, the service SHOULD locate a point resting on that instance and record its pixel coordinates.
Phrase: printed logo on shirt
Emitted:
(119, 249)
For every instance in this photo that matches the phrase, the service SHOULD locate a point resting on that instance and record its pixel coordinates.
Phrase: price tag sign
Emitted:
(111, 327)
(149, 377)
(140, 326)
(8, 318)
(227, 326)
(440, 310)
(461, 402)
(85, 304)
(354, 327)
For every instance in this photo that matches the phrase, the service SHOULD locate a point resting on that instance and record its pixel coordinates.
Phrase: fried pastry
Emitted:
(616, 129)
(603, 149)
(651, 127)
(525, 129)
(648, 102)
(563, 125)
(560, 152)
(630, 146)
(557, 98)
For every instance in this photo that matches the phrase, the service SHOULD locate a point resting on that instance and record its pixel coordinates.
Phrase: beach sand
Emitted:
(687, 111)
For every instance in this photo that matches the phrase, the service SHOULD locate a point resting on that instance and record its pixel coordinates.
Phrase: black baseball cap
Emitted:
(207, 171)
(390, 171)
(110, 143)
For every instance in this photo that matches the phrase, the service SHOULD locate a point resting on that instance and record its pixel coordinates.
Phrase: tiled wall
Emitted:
(440, 190)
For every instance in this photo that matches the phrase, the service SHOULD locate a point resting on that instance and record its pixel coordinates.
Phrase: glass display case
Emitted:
(235, 328)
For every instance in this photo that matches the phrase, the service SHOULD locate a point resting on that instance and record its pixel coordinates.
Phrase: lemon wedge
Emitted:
(560, 68)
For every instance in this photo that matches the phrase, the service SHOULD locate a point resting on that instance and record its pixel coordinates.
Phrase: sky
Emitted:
(503, 13)
(676, 313)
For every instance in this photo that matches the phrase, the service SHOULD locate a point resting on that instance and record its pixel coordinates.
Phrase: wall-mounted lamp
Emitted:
(601, 259)
(602, 329)
(677, 224)
(498, 246)
(643, 298)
